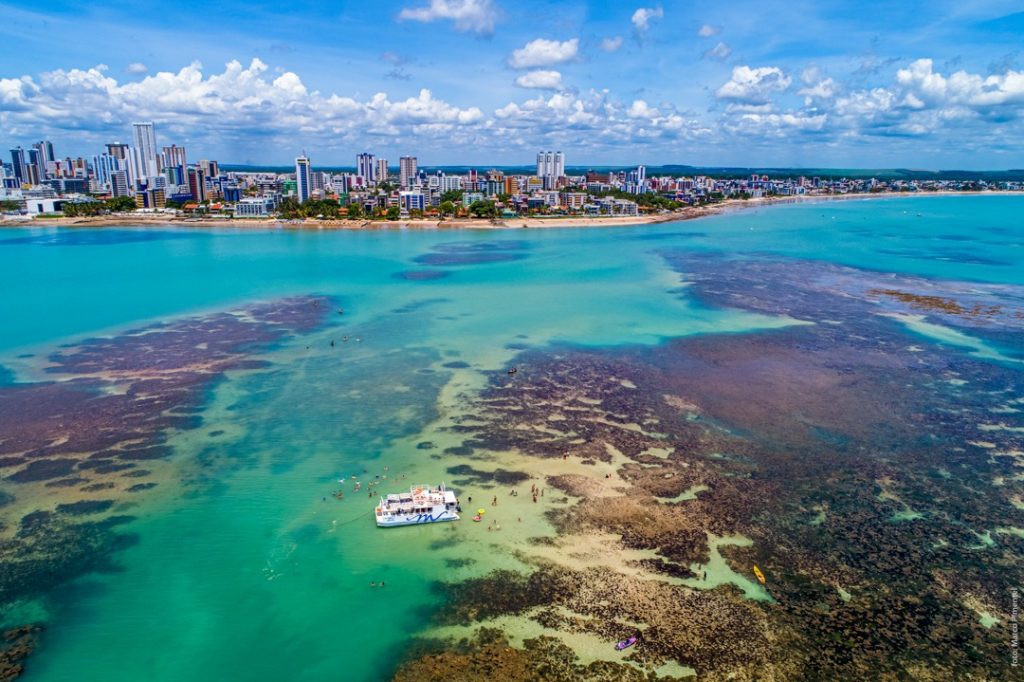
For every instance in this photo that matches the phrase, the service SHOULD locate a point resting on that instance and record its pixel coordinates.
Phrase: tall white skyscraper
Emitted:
(407, 171)
(145, 142)
(365, 168)
(550, 164)
(303, 181)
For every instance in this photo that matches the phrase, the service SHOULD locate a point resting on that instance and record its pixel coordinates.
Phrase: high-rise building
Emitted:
(550, 165)
(102, 166)
(197, 183)
(18, 164)
(47, 148)
(144, 139)
(36, 167)
(211, 168)
(174, 156)
(636, 180)
(118, 150)
(381, 170)
(119, 183)
(407, 171)
(303, 181)
(41, 155)
(365, 168)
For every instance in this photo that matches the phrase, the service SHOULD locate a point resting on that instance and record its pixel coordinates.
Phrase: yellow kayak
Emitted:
(759, 574)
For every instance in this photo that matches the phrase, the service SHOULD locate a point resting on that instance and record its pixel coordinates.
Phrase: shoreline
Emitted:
(687, 213)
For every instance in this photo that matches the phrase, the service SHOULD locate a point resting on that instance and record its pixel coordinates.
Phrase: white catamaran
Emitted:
(422, 504)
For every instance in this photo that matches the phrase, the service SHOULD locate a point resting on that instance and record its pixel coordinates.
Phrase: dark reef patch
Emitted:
(85, 507)
(490, 656)
(160, 374)
(114, 403)
(659, 236)
(474, 253)
(50, 549)
(456, 364)
(483, 247)
(476, 476)
(16, 644)
(470, 258)
(421, 275)
(43, 470)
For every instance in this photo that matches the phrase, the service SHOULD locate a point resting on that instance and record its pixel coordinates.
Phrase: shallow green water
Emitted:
(246, 567)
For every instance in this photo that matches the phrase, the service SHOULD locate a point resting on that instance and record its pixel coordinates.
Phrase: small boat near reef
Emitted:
(422, 504)
(759, 575)
(625, 644)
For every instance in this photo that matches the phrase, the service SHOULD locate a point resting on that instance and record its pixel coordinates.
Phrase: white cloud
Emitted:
(238, 102)
(961, 88)
(542, 52)
(476, 16)
(593, 120)
(136, 67)
(542, 80)
(823, 89)
(611, 44)
(777, 125)
(642, 17)
(640, 109)
(959, 108)
(707, 30)
(753, 86)
(719, 52)
(257, 111)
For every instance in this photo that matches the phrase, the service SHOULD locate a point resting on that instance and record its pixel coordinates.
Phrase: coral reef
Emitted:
(853, 456)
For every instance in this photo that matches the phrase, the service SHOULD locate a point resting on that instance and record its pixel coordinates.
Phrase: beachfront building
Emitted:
(381, 170)
(574, 201)
(612, 206)
(151, 198)
(407, 171)
(303, 179)
(412, 201)
(255, 207)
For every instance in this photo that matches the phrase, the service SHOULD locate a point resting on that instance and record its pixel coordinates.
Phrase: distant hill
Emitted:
(712, 171)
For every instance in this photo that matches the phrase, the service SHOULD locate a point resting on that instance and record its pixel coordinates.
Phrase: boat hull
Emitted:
(396, 520)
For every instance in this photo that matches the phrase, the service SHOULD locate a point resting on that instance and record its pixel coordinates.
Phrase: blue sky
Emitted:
(936, 84)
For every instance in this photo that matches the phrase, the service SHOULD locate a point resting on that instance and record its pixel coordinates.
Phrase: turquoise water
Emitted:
(243, 569)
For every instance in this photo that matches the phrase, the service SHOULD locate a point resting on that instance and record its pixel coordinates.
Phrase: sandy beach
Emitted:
(688, 213)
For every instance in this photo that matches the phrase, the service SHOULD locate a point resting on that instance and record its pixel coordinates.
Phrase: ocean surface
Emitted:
(242, 563)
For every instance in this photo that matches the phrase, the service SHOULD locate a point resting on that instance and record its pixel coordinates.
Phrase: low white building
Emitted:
(610, 206)
(255, 207)
(41, 205)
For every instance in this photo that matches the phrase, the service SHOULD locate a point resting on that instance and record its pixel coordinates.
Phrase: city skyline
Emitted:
(922, 85)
